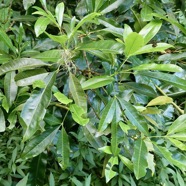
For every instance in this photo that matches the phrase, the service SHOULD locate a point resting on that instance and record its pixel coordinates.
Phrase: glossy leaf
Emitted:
(140, 159)
(2, 121)
(77, 92)
(38, 144)
(150, 30)
(133, 43)
(107, 115)
(134, 117)
(78, 114)
(127, 31)
(23, 63)
(59, 13)
(97, 82)
(23, 182)
(168, 78)
(162, 67)
(35, 107)
(62, 98)
(160, 100)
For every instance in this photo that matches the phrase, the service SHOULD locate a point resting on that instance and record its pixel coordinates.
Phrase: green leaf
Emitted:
(172, 57)
(160, 100)
(39, 143)
(77, 92)
(146, 13)
(41, 25)
(162, 67)
(35, 107)
(133, 43)
(2, 121)
(59, 13)
(127, 31)
(168, 78)
(140, 159)
(179, 136)
(28, 3)
(107, 46)
(23, 182)
(63, 148)
(59, 39)
(177, 143)
(10, 87)
(5, 38)
(106, 149)
(38, 84)
(23, 63)
(78, 114)
(62, 98)
(97, 82)
(134, 117)
(51, 180)
(178, 125)
(150, 30)
(107, 115)
(88, 181)
(127, 162)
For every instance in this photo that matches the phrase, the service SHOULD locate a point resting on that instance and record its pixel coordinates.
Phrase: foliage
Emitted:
(92, 93)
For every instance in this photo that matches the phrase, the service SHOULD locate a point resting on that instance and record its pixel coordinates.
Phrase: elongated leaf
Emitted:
(51, 180)
(77, 92)
(59, 13)
(178, 125)
(169, 78)
(179, 136)
(107, 115)
(127, 162)
(150, 30)
(63, 148)
(38, 144)
(107, 46)
(150, 161)
(4, 37)
(162, 67)
(97, 82)
(62, 98)
(23, 182)
(172, 57)
(134, 117)
(140, 159)
(133, 43)
(60, 39)
(160, 100)
(179, 161)
(106, 149)
(23, 63)
(2, 121)
(35, 107)
(177, 143)
(41, 25)
(10, 87)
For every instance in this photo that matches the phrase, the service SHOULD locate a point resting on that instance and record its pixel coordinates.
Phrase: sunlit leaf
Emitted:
(177, 143)
(160, 100)
(2, 121)
(59, 13)
(62, 98)
(126, 162)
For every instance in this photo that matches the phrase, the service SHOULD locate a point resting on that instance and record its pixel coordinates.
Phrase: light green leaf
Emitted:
(172, 57)
(28, 3)
(35, 107)
(150, 30)
(178, 125)
(63, 148)
(107, 115)
(140, 159)
(133, 43)
(62, 98)
(149, 48)
(23, 63)
(127, 162)
(127, 31)
(179, 136)
(177, 143)
(162, 67)
(124, 127)
(77, 92)
(38, 84)
(2, 121)
(169, 78)
(41, 25)
(88, 181)
(97, 82)
(78, 114)
(134, 117)
(39, 143)
(160, 100)
(146, 13)
(107, 46)
(10, 87)
(23, 182)
(150, 161)
(59, 13)
(59, 39)
(51, 180)
(106, 149)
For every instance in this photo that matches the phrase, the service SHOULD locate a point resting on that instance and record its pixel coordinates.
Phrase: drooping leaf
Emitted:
(62, 98)
(107, 115)
(23, 182)
(38, 144)
(140, 159)
(150, 30)
(169, 78)
(59, 13)
(160, 100)
(2, 121)
(97, 82)
(77, 92)
(134, 117)
(35, 107)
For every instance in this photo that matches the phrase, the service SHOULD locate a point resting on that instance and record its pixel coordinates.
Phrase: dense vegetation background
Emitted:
(92, 93)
